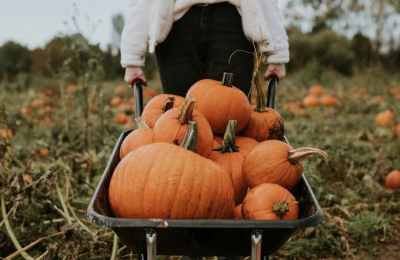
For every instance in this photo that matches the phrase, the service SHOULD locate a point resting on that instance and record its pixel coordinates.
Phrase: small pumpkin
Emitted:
(378, 99)
(384, 118)
(237, 212)
(310, 101)
(392, 180)
(172, 126)
(141, 136)
(329, 100)
(116, 101)
(159, 105)
(316, 90)
(229, 153)
(162, 180)
(274, 161)
(220, 101)
(121, 118)
(269, 201)
(264, 123)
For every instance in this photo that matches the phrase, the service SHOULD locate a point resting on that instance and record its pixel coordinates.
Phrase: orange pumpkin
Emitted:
(116, 101)
(384, 118)
(43, 151)
(121, 118)
(394, 90)
(264, 123)
(121, 89)
(141, 136)
(392, 180)
(172, 125)
(310, 101)
(269, 201)
(149, 92)
(229, 153)
(162, 180)
(316, 90)
(274, 161)
(158, 105)
(329, 100)
(237, 212)
(220, 102)
(378, 99)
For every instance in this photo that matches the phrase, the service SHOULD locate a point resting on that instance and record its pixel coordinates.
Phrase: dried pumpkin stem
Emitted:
(187, 110)
(300, 154)
(168, 104)
(228, 145)
(227, 79)
(260, 102)
(281, 207)
(141, 123)
(189, 142)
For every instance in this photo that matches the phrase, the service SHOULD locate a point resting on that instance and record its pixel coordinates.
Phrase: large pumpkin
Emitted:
(270, 201)
(162, 180)
(172, 125)
(141, 136)
(274, 161)
(229, 152)
(220, 102)
(158, 105)
(265, 123)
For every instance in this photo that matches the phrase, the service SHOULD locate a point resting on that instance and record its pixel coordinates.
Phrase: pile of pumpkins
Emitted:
(210, 155)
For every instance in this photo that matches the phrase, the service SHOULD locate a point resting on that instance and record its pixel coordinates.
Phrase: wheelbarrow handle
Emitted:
(138, 96)
(272, 84)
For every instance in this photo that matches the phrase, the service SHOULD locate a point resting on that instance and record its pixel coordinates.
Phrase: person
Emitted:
(198, 39)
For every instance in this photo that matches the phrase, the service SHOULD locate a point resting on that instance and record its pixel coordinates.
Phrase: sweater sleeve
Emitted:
(134, 38)
(273, 17)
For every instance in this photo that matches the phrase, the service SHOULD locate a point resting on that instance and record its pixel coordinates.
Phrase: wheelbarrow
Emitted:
(201, 237)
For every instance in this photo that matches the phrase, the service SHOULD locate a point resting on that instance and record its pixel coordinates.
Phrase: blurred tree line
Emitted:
(323, 44)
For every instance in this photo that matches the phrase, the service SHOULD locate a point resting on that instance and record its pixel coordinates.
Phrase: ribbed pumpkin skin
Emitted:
(232, 163)
(259, 202)
(154, 108)
(264, 126)
(268, 163)
(167, 129)
(134, 140)
(219, 104)
(162, 180)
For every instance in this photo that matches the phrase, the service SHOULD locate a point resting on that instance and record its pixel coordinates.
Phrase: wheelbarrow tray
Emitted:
(201, 237)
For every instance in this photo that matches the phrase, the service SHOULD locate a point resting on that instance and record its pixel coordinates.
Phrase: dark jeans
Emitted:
(201, 45)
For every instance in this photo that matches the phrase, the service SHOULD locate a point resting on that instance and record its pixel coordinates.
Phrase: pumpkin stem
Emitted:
(227, 79)
(168, 104)
(281, 207)
(260, 102)
(141, 123)
(228, 145)
(187, 110)
(190, 140)
(300, 154)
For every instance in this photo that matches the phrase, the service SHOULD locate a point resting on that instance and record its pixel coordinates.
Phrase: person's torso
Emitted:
(182, 6)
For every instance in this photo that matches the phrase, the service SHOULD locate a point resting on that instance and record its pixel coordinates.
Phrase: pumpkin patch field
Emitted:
(56, 137)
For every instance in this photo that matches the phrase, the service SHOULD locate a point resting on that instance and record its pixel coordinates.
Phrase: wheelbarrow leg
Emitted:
(256, 239)
(151, 245)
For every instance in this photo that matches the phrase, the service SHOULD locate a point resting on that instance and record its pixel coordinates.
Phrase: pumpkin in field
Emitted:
(220, 102)
(310, 101)
(121, 118)
(384, 118)
(162, 180)
(149, 92)
(265, 123)
(329, 100)
(229, 153)
(116, 101)
(121, 89)
(237, 212)
(274, 161)
(269, 201)
(316, 90)
(392, 180)
(159, 105)
(172, 126)
(141, 136)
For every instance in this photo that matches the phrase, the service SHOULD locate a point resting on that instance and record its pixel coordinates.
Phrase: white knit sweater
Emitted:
(150, 21)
